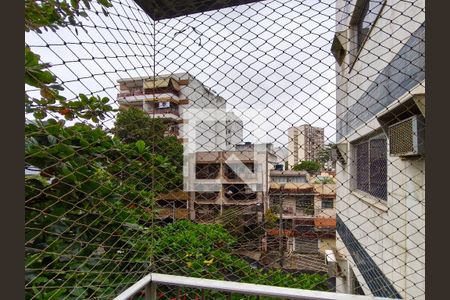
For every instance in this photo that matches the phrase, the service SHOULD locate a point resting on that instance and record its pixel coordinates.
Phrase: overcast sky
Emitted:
(271, 60)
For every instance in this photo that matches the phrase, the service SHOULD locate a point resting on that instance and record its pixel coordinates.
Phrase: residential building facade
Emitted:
(380, 51)
(305, 212)
(304, 143)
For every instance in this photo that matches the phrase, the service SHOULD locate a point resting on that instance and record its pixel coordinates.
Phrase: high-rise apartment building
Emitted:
(169, 96)
(304, 143)
(233, 186)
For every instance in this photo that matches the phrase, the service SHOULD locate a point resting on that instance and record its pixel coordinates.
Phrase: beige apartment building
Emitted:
(169, 96)
(304, 143)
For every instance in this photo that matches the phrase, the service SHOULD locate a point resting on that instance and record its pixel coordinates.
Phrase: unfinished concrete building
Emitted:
(222, 186)
(169, 96)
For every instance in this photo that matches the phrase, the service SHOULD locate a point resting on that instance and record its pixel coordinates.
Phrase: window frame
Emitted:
(357, 45)
(327, 200)
(368, 191)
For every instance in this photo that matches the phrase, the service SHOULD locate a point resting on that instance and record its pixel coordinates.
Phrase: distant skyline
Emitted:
(270, 60)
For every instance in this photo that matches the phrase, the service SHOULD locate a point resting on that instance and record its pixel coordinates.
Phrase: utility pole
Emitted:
(174, 212)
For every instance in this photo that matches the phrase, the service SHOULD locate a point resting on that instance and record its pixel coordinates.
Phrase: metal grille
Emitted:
(371, 171)
(407, 137)
(200, 139)
(362, 166)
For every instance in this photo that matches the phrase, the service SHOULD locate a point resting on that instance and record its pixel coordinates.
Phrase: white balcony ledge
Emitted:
(150, 283)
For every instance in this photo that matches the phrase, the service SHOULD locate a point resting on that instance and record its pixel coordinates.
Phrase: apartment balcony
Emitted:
(239, 193)
(304, 212)
(206, 196)
(130, 98)
(149, 288)
(141, 95)
(166, 113)
(122, 95)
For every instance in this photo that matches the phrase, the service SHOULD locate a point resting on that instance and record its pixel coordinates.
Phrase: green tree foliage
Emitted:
(89, 233)
(307, 165)
(206, 251)
(133, 124)
(54, 14)
(90, 200)
(324, 155)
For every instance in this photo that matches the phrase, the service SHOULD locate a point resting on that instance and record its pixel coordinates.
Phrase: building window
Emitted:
(327, 203)
(362, 22)
(304, 205)
(163, 104)
(371, 167)
(280, 179)
(367, 19)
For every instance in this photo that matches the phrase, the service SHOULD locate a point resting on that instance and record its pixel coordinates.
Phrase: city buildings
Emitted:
(304, 143)
(170, 96)
(272, 159)
(380, 66)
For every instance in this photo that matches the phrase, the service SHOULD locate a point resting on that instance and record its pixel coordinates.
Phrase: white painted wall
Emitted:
(393, 233)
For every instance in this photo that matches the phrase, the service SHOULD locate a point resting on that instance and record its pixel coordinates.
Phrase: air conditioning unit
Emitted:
(407, 137)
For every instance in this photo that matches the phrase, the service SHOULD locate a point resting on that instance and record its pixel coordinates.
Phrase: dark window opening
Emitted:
(305, 205)
(239, 192)
(369, 14)
(364, 20)
(327, 203)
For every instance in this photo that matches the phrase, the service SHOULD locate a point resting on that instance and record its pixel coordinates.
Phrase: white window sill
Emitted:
(371, 200)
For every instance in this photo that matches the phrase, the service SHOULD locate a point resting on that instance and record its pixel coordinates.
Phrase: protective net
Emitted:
(274, 142)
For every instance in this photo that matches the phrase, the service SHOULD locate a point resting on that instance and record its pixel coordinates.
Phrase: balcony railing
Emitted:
(153, 95)
(149, 287)
(129, 94)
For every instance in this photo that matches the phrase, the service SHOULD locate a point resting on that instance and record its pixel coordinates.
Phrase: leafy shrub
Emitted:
(206, 251)
(307, 165)
(87, 205)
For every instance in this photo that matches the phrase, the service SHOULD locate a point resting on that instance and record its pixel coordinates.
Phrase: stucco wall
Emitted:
(389, 67)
